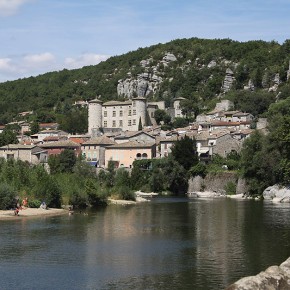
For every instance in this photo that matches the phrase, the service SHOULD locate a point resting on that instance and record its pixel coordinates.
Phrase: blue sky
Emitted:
(39, 36)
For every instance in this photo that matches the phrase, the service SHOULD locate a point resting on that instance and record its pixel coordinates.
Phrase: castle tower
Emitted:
(94, 115)
(140, 104)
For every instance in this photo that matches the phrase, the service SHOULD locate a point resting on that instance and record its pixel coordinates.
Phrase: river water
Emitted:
(170, 243)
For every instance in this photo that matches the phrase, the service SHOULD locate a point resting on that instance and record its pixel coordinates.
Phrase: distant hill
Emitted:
(253, 74)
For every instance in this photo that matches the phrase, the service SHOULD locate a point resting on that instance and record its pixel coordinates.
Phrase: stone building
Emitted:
(30, 153)
(113, 115)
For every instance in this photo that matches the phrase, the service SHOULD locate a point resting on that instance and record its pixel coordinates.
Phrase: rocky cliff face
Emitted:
(145, 83)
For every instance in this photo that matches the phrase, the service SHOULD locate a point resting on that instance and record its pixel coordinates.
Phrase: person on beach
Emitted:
(43, 205)
(25, 202)
(16, 211)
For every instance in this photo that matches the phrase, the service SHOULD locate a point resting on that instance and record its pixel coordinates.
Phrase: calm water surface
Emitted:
(166, 244)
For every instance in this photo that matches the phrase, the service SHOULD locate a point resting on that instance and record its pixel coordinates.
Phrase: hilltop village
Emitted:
(126, 131)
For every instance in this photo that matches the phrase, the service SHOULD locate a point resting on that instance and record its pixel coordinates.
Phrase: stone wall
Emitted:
(217, 183)
(275, 277)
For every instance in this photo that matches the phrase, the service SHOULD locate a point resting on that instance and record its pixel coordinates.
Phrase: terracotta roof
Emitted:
(62, 144)
(117, 103)
(77, 140)
(103, 140)
(231, 112)
(241, 114)
(132, 144)
(17, 146)
(224, 123)
(51, 138)
(96, 101)
(128, 134)
(170, 139)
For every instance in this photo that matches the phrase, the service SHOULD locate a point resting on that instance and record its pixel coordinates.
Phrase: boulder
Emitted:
(275, 277)
(277, 194)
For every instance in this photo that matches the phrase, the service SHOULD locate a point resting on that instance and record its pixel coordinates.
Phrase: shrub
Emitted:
(78, 200)
(34, 203)
(7, 196)
(230, 188)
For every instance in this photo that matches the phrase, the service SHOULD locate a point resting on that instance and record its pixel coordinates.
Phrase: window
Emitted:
(130, 113)
(134, 122)
(120, 123)
(105, 113)
(114, 113)
(134, 103)
(129, 123)
(121, 113)
(114, 123)
(138, 156)
(105, 124)
(144, 156)
(134, 112)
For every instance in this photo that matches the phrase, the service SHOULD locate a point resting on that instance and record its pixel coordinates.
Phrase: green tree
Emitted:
(185, 153)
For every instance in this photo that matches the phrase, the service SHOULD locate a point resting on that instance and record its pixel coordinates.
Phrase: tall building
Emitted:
(113, 115)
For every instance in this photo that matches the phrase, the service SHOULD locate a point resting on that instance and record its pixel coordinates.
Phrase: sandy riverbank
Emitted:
(31, 212)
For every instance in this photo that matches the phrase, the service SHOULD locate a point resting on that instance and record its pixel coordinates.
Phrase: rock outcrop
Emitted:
(228, 81)
(275, 277)
(147, 82)
(276, 82)
(276, 193)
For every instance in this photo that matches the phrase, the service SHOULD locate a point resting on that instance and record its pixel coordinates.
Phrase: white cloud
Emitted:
(8, 7)
(15, 67)
(5, 64)
(36, 60)
(84, 60)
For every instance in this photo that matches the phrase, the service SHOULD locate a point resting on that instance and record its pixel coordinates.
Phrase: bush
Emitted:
(77, 200)
(230, 188)
(7, 196)
(125, 193)
(34, 203)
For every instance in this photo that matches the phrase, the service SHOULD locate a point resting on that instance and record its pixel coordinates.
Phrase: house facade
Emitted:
(124, 154)
(30, 153)
(93, 151)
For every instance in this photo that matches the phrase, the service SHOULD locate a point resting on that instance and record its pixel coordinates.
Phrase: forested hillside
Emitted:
(252, 74)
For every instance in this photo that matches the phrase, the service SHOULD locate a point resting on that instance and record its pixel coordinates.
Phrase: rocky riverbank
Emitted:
(275, 277)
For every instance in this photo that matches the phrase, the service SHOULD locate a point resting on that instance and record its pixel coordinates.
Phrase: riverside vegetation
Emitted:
(197, 74)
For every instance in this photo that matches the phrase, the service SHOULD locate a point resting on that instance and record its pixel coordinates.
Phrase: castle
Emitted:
(128, 115)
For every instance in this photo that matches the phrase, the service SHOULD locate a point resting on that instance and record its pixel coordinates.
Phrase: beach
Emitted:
(31, 212)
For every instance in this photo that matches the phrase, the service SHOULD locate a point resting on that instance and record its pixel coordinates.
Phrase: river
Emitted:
(170, 243)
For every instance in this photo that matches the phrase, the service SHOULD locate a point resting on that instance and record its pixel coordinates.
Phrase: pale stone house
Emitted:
(30, 153)
(124, 154)
(94, 150)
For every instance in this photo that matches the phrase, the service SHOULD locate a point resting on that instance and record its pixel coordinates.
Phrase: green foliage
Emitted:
(64, 162)
(255, 103)
(198, 169)
(184, 152)
(34, 203)
(230, 188)
(259, 171)
(7, 196)
(180, 122)
(8, 137)
(161, 116)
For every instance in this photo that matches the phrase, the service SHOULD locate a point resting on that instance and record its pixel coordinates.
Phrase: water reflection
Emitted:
(167, 244)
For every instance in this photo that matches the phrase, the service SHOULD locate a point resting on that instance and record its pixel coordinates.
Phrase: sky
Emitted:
(39, 36)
